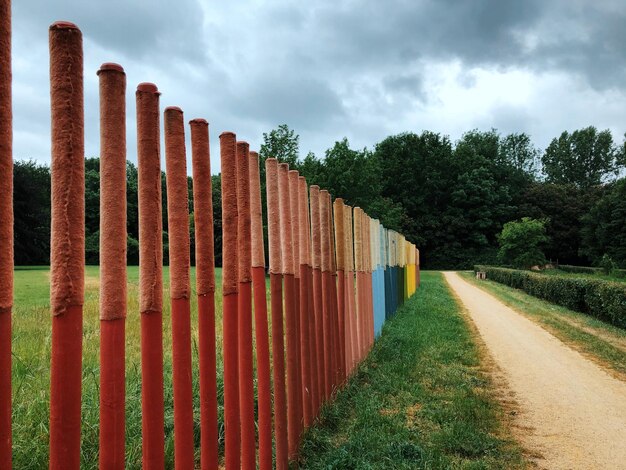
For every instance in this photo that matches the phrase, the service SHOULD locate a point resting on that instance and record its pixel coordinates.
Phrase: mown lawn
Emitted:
(420, 400)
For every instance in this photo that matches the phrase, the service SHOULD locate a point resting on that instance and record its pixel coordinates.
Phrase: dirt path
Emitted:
(575, 412)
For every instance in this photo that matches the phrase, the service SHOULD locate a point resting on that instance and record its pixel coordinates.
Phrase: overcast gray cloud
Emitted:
(361, 69)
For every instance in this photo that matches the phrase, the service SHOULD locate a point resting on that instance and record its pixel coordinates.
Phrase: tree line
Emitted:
(452, 199)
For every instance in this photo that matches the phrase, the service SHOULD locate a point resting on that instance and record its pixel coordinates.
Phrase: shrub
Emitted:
(602, 299)
(521, 242)
(607, 264)
(578, 269)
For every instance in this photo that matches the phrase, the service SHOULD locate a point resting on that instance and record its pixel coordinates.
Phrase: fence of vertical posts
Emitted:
(335, 276)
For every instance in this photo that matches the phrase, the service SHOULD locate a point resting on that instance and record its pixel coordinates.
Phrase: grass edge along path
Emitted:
(420, 399)
(601, 342)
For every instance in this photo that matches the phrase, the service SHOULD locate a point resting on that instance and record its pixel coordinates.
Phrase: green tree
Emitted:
(216, 187)
(518, 151)
(604, 226)
(282, 143)
(563, 206)
(521, 243)
(587, 157)
(351, 174)
(31, 206)
(313, 169)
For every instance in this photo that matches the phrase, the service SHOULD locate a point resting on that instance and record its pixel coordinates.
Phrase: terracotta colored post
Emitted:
(312, 347)
(315, 387)
(180, 287)
(326, 293)
(364, 238)
(295, 237)
(332, 301)
(150, 276)
(359, 288)
(347, 306)
(305, 334)
(351, 288)
(112, 264)
(6, 232)
(290, 304)
(338, 208)
(318, 303)
(368, 264)
(260, 318)
(67, 251)
(276, 291)
(362, 307)
(338, 356)
(230, 292)
(246, 367)
(205, 287)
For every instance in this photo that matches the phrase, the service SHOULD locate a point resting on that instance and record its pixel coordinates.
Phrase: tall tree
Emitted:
(416, 174)
(351, 174)
(282, 143)
(563, 207)
(587, 157)
(518, 150)
(31, 199)
(604, 226)
(521, 243)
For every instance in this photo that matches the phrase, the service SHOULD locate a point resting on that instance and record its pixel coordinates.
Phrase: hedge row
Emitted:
(579, 269)
(602, 299)
(588, 270)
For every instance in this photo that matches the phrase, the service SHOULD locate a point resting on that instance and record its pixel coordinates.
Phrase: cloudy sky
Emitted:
(333, 68)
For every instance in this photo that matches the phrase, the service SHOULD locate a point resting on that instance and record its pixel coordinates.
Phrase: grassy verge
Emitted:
(420, 400)
(602, 342)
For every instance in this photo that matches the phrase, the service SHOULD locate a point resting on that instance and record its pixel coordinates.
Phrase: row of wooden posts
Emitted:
(335, 275)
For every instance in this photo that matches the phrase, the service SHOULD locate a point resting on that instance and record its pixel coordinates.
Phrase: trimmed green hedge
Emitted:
(602, 299)
(579, 269)
(588, 270)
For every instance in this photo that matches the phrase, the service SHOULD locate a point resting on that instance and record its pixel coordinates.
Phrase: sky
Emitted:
(337, 68)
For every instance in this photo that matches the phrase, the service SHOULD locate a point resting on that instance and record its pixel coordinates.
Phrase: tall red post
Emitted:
(358, 267)
(349, 288)
(368, 277)
(205, 287)
(230, 291)
(318, 297)
(67, 251)
(112, 264)
(293, 176)
(336, 358)
(290, 308)
(6, 232)
(276, 292)
(180, 286)
(338, 208)
(264, 395)
(246, 367)
(326, 294)
(150, 276)
(305, 332)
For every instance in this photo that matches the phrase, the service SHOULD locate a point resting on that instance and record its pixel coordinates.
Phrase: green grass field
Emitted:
(420, 400)
(31, 368)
